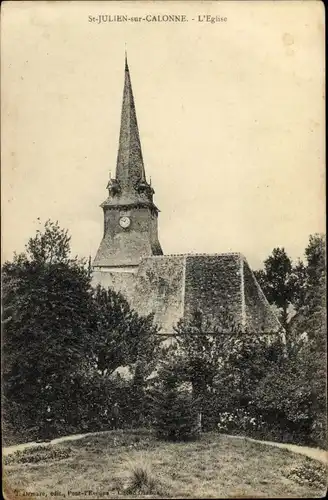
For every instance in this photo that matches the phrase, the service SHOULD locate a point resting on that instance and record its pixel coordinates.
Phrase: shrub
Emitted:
(37, 454)
(175, 415)
(142, 481)
(312, 473)
(239, 420)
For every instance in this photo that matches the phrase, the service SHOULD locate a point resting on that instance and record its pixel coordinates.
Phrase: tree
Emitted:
(63, 338)
(299, 284)
(291, 397)
(201, 355)
(173, 407)
(222, 362)
(311, 301)
(298, 389)
(277, 283)
(120, 336)
(46, 303)
(316, 261)
(311, 319)
(314, 305)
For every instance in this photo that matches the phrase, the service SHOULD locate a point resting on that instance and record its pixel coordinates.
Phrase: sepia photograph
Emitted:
(163, 249)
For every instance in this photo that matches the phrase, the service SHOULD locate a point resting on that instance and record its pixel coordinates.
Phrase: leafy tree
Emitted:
(201, 346)
(173, 407)
(310, 302)
(224, 363)
(298, 389)
(299, 284)
(316, 259)
(46, 301)
(291, 399)
(314, 308)
(276, 281)
(61, 335)
(311, 318)
(200, 357)
(120, 336)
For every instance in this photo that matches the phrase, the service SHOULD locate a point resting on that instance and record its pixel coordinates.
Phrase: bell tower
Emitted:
(130, 215)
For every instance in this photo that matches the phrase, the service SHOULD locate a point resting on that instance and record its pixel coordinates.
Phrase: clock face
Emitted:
(125, 222)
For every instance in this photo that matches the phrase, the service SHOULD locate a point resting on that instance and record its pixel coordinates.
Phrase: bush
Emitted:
(174, 415)
(37, 454)
(312, 473)
(142, 481)
(239, 420)
(318, 435)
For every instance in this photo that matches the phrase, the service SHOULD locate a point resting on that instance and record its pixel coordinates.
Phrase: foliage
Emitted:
(37, 454)
(316, 261)
(275, 387)
(276, 281)
(64, 340)
(311, 317)
(45, 309)
(250, 383)
(252, 357)
(297, 392)
(299, 283)
(174, 410)
(120, 336)
(239, 420)
(224, 363)
(201, 469)
(310, 324)
(142, 481)
(309, 473)
(201, 351)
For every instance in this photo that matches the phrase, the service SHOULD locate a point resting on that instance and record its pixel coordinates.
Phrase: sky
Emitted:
(231, 119)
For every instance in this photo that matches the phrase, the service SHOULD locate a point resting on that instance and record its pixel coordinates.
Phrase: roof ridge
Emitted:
(222, 254)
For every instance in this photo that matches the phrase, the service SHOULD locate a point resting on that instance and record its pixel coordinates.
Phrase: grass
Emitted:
(119, 464)
(142, 480)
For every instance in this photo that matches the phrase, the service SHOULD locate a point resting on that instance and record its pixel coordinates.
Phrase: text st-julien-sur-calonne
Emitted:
(150, 18)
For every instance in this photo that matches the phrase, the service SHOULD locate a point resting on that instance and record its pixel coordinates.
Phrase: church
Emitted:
(130, 258)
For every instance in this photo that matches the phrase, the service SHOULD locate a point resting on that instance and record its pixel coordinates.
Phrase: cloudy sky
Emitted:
(231, 118)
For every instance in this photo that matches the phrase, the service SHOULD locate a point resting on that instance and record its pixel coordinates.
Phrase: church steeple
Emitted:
(129, 168)
(130, 216)
(129, 185)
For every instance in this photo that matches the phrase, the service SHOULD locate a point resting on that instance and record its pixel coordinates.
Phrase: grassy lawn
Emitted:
(128, 464)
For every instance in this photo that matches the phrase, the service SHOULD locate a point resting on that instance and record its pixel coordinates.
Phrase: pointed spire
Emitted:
(126, 60)
(130, 168)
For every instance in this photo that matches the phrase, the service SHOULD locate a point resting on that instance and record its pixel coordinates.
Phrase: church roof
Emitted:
(174, 286)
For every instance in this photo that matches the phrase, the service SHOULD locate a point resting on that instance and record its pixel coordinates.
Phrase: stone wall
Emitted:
(122, 282)
(159, 289)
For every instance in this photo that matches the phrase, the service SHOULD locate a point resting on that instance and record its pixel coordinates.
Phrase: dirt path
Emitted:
(19, 447)
(314, 453)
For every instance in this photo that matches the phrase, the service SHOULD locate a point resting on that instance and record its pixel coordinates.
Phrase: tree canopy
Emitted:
(58, 330)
